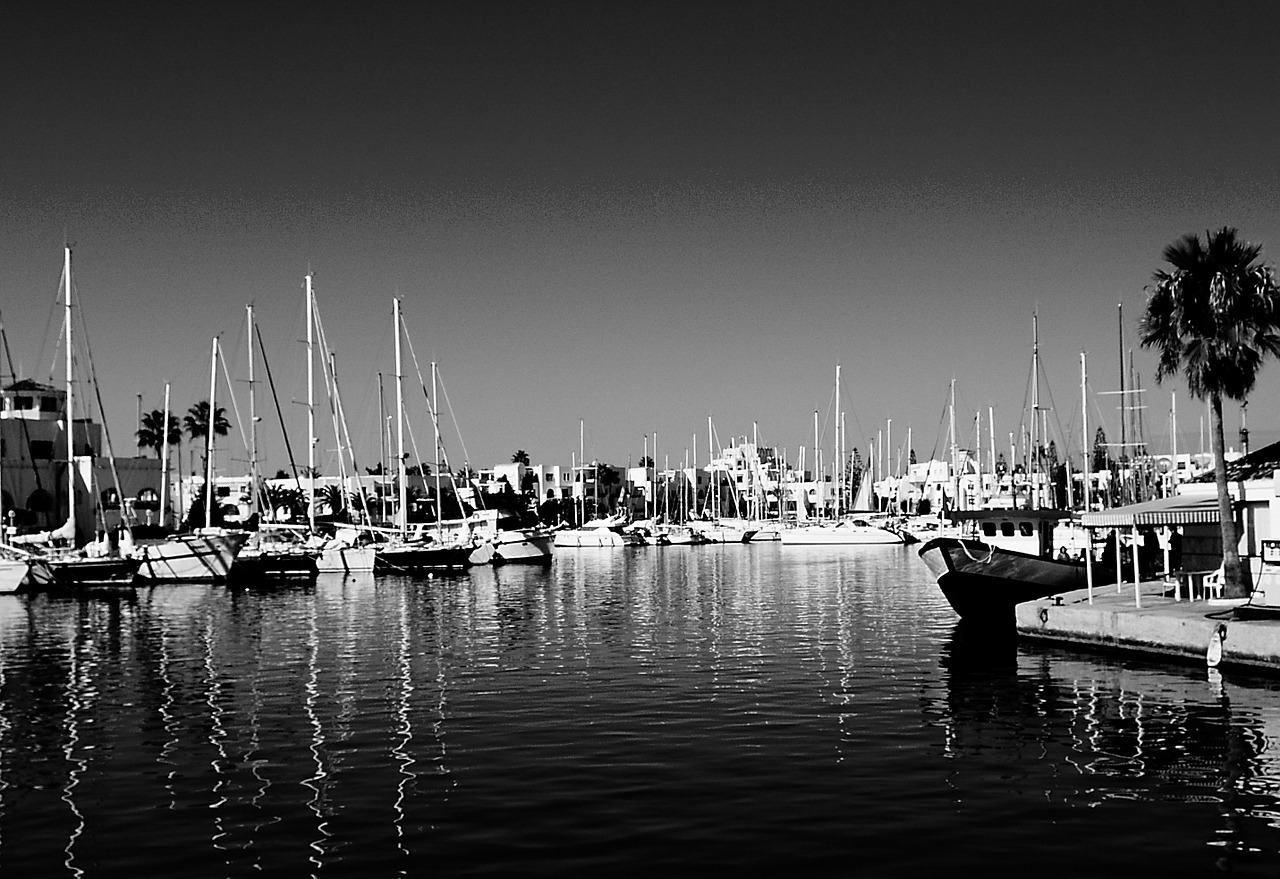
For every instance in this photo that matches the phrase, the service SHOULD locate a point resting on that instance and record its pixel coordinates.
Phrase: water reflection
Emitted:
(1083, 730)
(731, 707)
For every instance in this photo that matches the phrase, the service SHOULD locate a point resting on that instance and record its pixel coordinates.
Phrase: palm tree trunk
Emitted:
(1233, 583)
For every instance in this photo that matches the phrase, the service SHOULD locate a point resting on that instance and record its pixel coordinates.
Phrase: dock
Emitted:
(1151, 622)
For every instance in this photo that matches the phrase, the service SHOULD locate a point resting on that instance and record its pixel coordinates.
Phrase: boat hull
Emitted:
(421, 559)
(196, 558)
(727, 535)
(270, 566)
(843, 535)
(586, 537)
(346, 560)
(13, 575)
(985, 582)
(516, 547)
(87, 573)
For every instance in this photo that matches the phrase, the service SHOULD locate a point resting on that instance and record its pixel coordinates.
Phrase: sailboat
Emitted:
(417, 551)
(839, 530)
(599, 531)
(72, 563)
(270, 555)
(337, 553)
(201, 556)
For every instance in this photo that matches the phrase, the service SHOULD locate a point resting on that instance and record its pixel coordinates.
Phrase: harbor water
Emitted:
(630, 711)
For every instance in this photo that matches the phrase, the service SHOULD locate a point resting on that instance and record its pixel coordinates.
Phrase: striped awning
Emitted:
(1196, 509)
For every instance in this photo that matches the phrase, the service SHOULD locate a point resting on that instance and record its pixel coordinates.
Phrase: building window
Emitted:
(110, 499)
(24, 402)
(39, 501)
(49, 404)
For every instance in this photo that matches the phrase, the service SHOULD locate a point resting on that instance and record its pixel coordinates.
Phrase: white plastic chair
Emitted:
(1212, 584)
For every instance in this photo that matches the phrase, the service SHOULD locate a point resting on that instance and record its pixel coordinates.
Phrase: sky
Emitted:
(607, 221)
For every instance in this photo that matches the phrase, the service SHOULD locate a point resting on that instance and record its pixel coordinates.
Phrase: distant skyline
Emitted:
(630, 216)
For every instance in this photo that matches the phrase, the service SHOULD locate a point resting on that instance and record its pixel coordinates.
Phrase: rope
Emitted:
(991, 550)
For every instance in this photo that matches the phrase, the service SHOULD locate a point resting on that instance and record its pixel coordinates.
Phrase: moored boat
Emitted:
(205, 556)
(984, 582)
(508, 538)
(272, 556)
(338, 558)
(67, 558)
(597, 532)
(421, 556)
(846, 532)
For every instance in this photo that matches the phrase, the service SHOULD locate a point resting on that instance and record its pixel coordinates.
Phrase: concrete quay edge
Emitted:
(1161, 627)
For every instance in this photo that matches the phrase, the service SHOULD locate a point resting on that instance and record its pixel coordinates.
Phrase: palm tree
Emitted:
(196, 422)
(1214, 316)
(336, 500)
(151, 431)
(287, 498)
(520, 457)
(608, 478)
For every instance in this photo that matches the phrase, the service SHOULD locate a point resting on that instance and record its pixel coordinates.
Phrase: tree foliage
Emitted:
(151, 432)
(1213, 316)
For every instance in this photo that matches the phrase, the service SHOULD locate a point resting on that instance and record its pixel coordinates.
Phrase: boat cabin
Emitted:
(1027, 531)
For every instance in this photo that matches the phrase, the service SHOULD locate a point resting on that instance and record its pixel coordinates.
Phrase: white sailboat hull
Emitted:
(203, 558)
(346, 560)
(580, 537)
(13, 574)
(522, 547)
(843, 534)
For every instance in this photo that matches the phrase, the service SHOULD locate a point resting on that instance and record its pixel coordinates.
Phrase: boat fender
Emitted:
(1214, 654)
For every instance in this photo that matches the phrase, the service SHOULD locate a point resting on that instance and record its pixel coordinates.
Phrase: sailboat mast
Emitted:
(164, 457)
(311, 412)
(644, 462)
(402, 514)
(1124, 412)
(991, 433)
(846, 468)
(71, 454)
(711, 482)
(1084, 429)
(908, 471)
(977, 455)
(757, 490)
(253, 423)
(435, 422)
(1033, 470)
(839, 450)
(383, 438)
(208, 435)
(951, 416)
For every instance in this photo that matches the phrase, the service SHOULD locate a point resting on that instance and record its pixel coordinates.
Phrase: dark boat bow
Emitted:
(982, 581)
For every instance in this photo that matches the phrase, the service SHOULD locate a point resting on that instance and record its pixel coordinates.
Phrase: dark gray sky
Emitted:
(635, 216)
